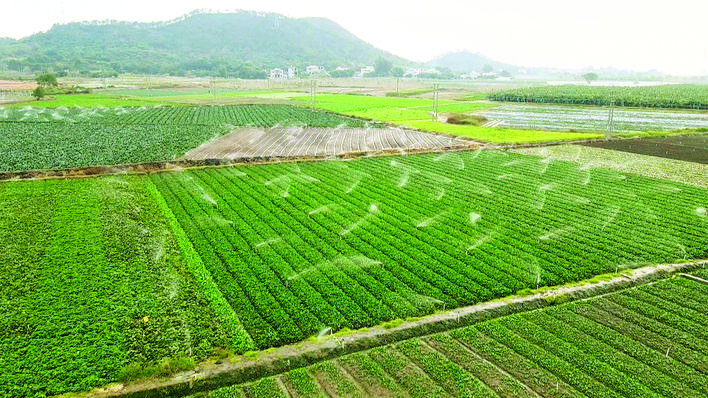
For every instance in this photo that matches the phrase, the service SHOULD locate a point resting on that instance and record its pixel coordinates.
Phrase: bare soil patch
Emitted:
(12, 85)
(299, 141)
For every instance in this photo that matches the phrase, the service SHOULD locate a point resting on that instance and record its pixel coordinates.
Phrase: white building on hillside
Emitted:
(277, 74)
(366, 70)
(314, 69)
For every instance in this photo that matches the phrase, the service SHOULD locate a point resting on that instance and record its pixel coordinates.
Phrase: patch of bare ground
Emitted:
(12, 85)
(304, 141)
(240, 369)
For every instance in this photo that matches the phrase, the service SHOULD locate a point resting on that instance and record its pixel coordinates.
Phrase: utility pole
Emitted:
(213, 87)
(313, 92)
(103, 75)
(397, 94)
(610, 120)
(436, 96)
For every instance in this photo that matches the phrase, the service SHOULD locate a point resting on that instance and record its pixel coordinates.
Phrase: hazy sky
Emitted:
(671, 36)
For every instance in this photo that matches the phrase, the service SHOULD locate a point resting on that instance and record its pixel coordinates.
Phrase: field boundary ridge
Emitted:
(241, 369)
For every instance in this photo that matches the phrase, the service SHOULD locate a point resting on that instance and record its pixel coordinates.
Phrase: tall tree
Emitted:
(590, 77)
(47, 80)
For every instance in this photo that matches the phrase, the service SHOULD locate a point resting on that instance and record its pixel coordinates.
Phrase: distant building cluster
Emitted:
(369, 70)
(280, 74)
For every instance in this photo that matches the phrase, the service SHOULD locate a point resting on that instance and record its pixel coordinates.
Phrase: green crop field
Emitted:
(295, 248)
(650, 166)
(666, 96)
(416, 113)
(93, 288)
(90, 101)
(648, 341)
(134, 277)
(62, 138)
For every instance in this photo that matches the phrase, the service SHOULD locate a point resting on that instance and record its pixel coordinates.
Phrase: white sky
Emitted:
(671, 36)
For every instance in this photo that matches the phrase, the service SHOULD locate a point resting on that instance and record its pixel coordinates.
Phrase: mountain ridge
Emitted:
(239, 44)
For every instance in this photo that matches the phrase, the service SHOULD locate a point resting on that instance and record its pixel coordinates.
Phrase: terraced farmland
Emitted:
(648, 341)
(307, 142)
(295, 248)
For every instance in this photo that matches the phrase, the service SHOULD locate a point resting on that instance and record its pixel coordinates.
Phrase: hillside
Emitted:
(241, 44)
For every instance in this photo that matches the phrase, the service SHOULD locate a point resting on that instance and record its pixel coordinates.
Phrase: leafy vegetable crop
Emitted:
(63, 138)
(92, 286)
(667, 96)
(647, 341)
(297, 248)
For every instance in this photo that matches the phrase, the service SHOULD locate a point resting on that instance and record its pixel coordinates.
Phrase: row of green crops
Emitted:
(299, 248)
(63, 138)
(665, 96)
(643, 342)
(31, 146)
(91, 286)
(234, 115)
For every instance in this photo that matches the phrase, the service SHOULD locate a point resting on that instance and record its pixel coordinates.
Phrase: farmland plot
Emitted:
(648, 341)
(303, 141)
(650, 166)
(296, 248)
(662, 96)
(690, 148)
(548, 117)
(236, 115)
(91, 285)
(33, 139)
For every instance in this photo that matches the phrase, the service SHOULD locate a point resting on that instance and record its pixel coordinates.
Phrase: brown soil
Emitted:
(10, 85)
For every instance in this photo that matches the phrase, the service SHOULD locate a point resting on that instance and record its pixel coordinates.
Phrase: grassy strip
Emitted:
(240, 339)
(415, 112)
(499, 135)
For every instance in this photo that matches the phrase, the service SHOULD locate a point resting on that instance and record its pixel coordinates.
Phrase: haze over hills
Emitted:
(242, 44)
(465, 61)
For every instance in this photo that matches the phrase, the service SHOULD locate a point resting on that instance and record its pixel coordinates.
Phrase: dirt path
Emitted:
(208, 376)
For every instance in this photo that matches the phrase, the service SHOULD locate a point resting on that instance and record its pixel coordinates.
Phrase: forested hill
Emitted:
(241, 44)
